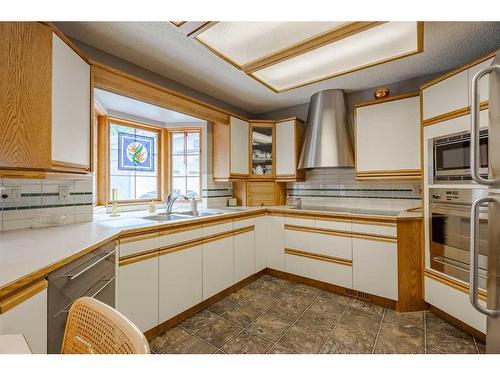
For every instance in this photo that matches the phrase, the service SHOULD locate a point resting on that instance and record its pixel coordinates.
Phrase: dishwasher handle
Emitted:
(76, 275)
(474, 257)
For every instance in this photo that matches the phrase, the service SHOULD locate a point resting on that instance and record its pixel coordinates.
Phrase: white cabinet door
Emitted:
(446, 96)
(484, 86)
(180, 281)
(138, 292)
(286, 163)
(70, 105)
(217, 266)
(244, 255)
(30, 319)
(388, 136)
(319, 243)
(239, 146)
(276, 242)
(375, 267)
(260, 243)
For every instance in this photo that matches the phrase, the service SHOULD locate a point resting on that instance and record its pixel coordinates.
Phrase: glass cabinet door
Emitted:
(262, 150)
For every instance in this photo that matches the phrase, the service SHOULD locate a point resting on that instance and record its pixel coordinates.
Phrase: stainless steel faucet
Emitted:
(169, 202)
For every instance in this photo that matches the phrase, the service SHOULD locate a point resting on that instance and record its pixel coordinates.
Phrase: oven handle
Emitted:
(474, 142)
(474, 257)
(443, 261)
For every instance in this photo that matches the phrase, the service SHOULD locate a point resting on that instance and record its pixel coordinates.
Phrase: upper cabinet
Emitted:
(259, 150)
(289, 134)
(388, 138)
(449, 95)
(262, 142)
(239, 132)
(45, 103)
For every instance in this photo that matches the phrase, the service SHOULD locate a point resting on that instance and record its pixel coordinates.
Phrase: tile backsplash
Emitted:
(338, 187)
(38, 203)
(215, 194)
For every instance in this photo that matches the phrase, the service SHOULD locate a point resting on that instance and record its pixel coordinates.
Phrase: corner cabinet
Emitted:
(388, 138)
(45, 104)
(289, 135)
(262, 150)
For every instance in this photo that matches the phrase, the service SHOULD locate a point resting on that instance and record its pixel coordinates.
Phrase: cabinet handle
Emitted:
(76, 275)
(474, 141)
(474, 257)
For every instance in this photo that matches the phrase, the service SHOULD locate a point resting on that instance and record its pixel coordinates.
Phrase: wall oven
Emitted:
(452, 156)
(449, 226)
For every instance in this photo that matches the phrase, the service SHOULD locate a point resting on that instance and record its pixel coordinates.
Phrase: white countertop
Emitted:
(26, 251)
(14, 344)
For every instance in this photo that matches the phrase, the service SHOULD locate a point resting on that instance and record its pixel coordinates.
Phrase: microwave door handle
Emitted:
(474, 142)
(474, 257)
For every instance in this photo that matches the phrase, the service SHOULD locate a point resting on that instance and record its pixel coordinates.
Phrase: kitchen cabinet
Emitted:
(262, 150)
(388, 138)
(180, 279)
(260, 242)
(289, 135)
(259, 193)
(276, 242)
(244, 253)
(28, 317)
(375, 266)
(138, 290)
(484, 86)
(45, 111)
(218, 264)
(239, 150)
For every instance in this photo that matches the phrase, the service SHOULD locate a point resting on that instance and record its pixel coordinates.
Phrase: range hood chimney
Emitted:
(328, 140)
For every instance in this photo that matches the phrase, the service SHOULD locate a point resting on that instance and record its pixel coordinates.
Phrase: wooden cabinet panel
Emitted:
(25, 100)
(239, 147)
(221, 151)
(30, 319)
(375, 267)
(180, 281)
(260, 243)
(388, 138)
(138, 292)
(328, 272)
(446, 96)
(217, 266)
(275, 242)
(244, 255)
(70, 107)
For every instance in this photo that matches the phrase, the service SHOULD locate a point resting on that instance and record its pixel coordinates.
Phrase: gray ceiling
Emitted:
(160, 48)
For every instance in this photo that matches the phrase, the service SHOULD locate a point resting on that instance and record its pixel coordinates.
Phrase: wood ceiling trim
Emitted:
(328, 37)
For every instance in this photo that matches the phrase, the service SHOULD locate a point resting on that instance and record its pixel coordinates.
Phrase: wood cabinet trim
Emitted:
(388, 99)
(239, 231)
(182, 229)
(218, 236)
(138, 257)
(455, 284)
(321, 257)
(330, 232)
(374, 237)
(138, 237)
(22, 295)
(179, 246)
(453, 114)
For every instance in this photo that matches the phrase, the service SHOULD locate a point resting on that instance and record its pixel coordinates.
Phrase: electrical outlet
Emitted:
(63, 192)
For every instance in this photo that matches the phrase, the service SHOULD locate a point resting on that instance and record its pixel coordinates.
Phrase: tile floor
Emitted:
(278, 316)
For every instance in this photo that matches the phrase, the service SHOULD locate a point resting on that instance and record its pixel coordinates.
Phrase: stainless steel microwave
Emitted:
(452, 156)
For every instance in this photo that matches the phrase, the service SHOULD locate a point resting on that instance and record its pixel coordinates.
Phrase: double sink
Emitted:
(181, 215)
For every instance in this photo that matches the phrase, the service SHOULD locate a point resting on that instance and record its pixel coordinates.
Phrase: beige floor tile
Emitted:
(389, 345)
(436, 324)
(356, 337)
(247, 343)
(278, 349)
(162, 342)
(301, 340)
(318, 321)
(335, 347)
(197, 321)
(290, 307)
(269, 327)
(218, 332)
(222, 306)
(438, 343)
(405, 333)
(241, 315)
(192, 345)
(362, 319)
(259, 301)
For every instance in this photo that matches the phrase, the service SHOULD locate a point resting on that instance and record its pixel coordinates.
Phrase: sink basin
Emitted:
(200, 213)
(166, 217)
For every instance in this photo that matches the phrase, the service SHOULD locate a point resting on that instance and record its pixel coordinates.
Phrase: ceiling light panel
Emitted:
(243, 42)
(382, 43)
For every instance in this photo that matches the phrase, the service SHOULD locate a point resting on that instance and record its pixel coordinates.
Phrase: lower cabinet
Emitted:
(276, 242)
(180, 280)
(375, 267)
(244, 255)
(28, 318)
(217, 265)
(260, 238)
(138, 292)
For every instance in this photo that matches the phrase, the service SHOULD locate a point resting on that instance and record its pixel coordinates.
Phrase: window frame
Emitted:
(169, 175)
(137, 125)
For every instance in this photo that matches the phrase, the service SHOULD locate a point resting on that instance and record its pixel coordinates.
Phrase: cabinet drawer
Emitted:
(138, 244)
(243, 223)
(210, 230)
(300, 222)
(381, 230)
(318, 243)
(454, 302)
(446, 96)
(344, 226)
(375, 267)
(176, 237)
(328, 272)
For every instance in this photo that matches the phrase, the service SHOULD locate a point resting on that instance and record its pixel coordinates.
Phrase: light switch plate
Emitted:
(63, 192)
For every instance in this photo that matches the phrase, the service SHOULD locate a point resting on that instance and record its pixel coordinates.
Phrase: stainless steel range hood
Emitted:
(328, 141)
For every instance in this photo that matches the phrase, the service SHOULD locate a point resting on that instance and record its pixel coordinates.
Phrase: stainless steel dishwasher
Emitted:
(90, 275)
